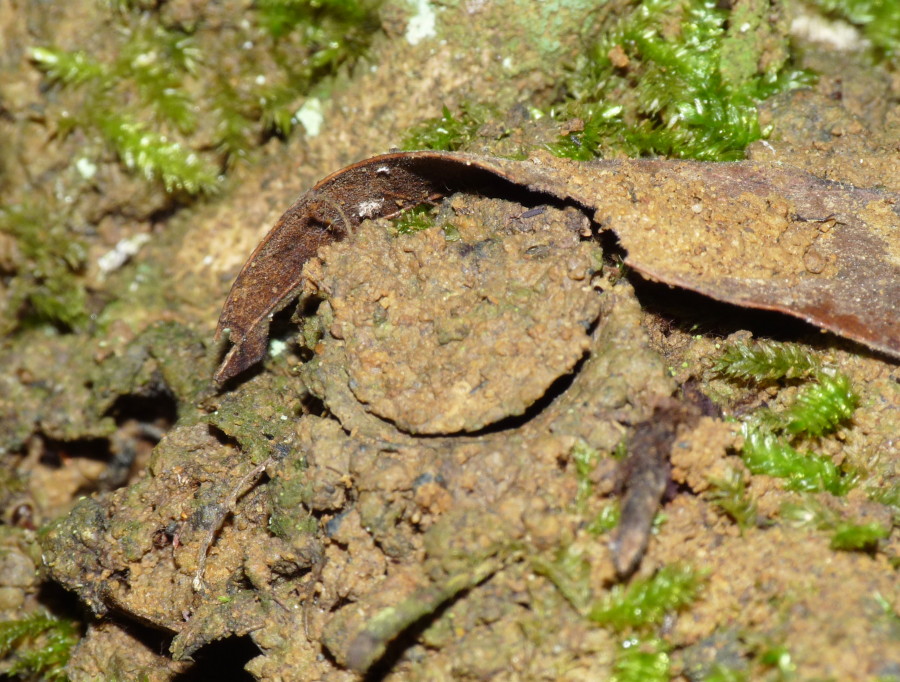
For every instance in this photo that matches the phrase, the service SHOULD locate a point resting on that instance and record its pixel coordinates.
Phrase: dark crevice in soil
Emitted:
(222, 661)
(61, 602)
(159, 409)
(512, 422)
(693, 313)
(554, 391)
(222, 437)
(54, 452)
(398, 647)
(315, 406)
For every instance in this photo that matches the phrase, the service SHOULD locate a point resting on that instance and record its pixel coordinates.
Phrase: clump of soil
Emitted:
(411, 483)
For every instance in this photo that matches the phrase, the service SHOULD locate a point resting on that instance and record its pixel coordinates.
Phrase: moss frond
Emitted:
(672, 65)
(858, 537)
(414, 219)
(585, 459)
(276, 112)
(280, 17)
(846, 535)
(570, 572)
(778, 656)
(157, 61)
(38, 645)
(766, 453)
(720, 673)
(730, 495)
(605, 520)
(820, 407)
(68, 68)
(600, 124)
(765, 361)
(645, 602)
(46, 287)
(448, 132)
(890, 497)
(158, 158)
(642, 660)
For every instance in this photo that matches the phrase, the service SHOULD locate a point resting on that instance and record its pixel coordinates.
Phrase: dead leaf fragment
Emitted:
(753, 234)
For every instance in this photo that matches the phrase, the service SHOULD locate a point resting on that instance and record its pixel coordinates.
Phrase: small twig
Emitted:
(646, 474)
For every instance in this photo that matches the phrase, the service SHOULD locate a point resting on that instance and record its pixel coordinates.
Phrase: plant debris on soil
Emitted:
(829, 255)
(530, 418)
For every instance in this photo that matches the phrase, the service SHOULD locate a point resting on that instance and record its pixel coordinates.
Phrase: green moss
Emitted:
(846, 535)
(156, 158)
(605, 520)
(854, 537)
(645, 602)
(585, 459)
(766, 453)
(879, 20)
(642, 660)
(281, 17)
(765, 361)
(890, 497)
(414, 219)
(46, 287)
(448, 132)
(37, 645)
(822, 406)
(823, 403)
(161, 94)
(720, 673)
(779, 658)
(730, 495)
(684, 78)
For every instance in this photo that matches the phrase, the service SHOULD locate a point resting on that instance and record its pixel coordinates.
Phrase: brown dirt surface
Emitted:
(515, 307)
(417, 481)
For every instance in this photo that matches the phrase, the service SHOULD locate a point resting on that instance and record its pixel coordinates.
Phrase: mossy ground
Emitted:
(100, 245)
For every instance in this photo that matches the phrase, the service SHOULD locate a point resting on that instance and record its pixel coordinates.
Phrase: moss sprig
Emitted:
(729, 493)
(448, 132)
(280, 17)
(164, 93)
(585, 459)
(823, 403)
(606, 519)
(721, 673)
(890, 497)
(38, 645)
(766, 361)
(768, 454)
(822, 406)
(846, 535)
(642, 660)
(69, 68)
(671, 69)
(157, 158)
(414, 219)
(48, 258)
(646, 601)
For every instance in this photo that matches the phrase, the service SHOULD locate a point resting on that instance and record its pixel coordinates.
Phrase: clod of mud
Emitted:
(457, 328)
(359, 506)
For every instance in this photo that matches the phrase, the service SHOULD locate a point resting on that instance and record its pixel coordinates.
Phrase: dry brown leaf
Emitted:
(756, 235)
